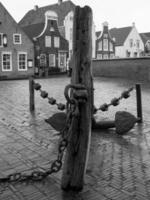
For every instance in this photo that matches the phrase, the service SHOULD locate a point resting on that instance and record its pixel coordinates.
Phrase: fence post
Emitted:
(139, 103)
(31, 94)
(79, 139)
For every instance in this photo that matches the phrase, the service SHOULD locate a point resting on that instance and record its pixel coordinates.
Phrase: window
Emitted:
(6, 61)
(100, 45)
(138, 43)
(71, 18)
(135, 54)
(51, 60)
(105, 44)
(1, 39)
(147, 46)
(17, 38)
(110, 46)
(105, 35)
(112, 56)
(131, 42)
(71, 34)
(47, 41)
(22, 61)
(52, 29)
(105, 56)
(128, 54)
(99, 56)
(56, 42)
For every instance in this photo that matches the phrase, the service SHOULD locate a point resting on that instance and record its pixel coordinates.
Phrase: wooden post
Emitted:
(31, 94)
(79, 141)
(139, 103)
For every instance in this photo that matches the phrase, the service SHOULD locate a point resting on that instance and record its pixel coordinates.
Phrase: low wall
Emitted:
(131, 68)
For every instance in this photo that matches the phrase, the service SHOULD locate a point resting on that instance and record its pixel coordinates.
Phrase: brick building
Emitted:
(51, 49)
(105, 45)
(65, 12)
(16, 49)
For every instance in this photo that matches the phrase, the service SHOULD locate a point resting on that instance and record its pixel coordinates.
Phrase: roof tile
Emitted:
(38, 16)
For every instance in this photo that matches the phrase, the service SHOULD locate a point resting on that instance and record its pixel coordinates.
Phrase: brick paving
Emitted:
(118, 167)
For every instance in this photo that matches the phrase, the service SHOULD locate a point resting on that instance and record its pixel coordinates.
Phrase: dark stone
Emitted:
(57, 121)
(124, 121)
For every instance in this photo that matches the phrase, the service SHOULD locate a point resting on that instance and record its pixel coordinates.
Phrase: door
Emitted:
(62, 61)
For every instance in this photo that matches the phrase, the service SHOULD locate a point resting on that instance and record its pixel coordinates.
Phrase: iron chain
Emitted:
(56, 165)
(51, 100)
(114, 102)
(38, 175)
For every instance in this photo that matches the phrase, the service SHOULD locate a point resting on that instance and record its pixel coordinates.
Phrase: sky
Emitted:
(118, 13)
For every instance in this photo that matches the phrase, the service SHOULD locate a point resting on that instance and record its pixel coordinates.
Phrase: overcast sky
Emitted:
(118, 13)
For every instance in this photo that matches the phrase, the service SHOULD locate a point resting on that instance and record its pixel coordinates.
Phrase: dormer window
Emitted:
(17, 38)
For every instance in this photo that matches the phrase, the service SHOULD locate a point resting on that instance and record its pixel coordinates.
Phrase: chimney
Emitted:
(36, 7)
(105, 24)
(59, 2)
(105, 27)
(133, 24)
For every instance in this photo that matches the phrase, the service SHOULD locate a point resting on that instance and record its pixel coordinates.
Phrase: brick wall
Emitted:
(132, 68)
(10, 27)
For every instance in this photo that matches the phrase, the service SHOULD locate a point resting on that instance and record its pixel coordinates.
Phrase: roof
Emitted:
(120, 34)
(98, 34)
(33, 30)
(12, 20)
(38, 16)
(145, 37)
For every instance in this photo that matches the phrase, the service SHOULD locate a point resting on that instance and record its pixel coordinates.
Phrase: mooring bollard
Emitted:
(80, 130)
(31, 94)
(139, 103)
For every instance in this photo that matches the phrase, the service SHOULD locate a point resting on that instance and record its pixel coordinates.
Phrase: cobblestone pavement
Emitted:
(118, 168)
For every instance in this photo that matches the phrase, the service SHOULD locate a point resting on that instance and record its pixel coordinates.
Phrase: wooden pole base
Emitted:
(79, 139)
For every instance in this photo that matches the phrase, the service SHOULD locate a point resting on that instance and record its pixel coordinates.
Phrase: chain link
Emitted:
(51, 100)
(56, 165)
(114, 102)
(38, 175)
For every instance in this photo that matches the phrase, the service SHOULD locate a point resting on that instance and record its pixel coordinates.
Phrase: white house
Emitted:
(128, 42)
(68, 24)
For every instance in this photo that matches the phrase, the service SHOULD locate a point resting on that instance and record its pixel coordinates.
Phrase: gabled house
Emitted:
(16, 49)
(51, 49)
(146, 40)
(65, 12)
(128, 42)
(105, 45)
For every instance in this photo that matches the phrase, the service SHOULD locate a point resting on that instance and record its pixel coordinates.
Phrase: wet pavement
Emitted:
(118, 167)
